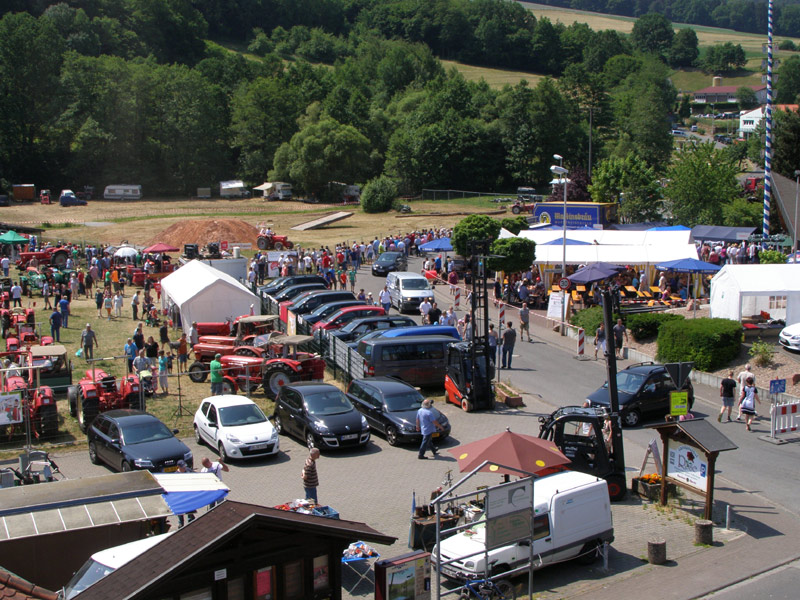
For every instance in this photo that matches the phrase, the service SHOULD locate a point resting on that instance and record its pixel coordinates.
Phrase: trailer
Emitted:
(234, 188)
(23, 192)
(123, 191)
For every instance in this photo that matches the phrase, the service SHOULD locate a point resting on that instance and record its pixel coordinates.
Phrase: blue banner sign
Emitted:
(579, 214)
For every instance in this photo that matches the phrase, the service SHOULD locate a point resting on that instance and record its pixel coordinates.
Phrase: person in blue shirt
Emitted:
(130, 353)
(63, 306)
(427, 426)
(55, 325)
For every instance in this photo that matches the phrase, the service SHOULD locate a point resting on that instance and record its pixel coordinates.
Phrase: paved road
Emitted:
(778, 584)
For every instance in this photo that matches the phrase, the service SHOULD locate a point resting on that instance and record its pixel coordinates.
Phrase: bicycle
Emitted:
(486, 589)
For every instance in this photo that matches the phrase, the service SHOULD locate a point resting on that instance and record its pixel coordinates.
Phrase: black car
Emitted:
(276, 285)
(320, 415)
(358, 327)
(644, 389)
(305, 304)
(325, 310)
(388, 262)
(391, 406)
(292, 291)
(128, 440)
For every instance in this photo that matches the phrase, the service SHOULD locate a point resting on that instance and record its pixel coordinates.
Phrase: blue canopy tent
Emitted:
(594, 272)
(689, 265)
(570, 242)
(437, 245)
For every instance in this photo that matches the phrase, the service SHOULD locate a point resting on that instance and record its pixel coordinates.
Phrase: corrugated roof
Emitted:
(210, 530)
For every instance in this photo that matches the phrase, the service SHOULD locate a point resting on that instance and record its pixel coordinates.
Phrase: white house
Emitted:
(749, 120)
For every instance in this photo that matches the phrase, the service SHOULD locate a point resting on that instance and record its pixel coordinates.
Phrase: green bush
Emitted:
(646, 325)
(771, 257)
(762, 353)
(709, 343)
(589, 319)
(378, 195)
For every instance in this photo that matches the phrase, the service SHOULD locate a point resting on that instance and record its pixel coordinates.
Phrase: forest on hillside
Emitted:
(152, 92)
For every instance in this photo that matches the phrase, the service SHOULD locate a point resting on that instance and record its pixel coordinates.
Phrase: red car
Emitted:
(343, 316)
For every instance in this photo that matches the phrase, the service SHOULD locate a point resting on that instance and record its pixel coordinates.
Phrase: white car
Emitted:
(790, 337)
(236, 427)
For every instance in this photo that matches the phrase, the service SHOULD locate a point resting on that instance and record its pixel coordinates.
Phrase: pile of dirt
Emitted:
(202, 231)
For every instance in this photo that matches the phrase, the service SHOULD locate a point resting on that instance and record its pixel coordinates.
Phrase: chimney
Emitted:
(716, 81)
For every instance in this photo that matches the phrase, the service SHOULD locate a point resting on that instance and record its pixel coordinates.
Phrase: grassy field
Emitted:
(496, 78)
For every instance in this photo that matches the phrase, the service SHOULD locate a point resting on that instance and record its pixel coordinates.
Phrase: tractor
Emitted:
(39, 403)
(240, 327)
(55, 256)
(270, 241)
(53, 367)
(100, 392)
(11, 319)
(592, 440)
(272, 366)
(245, 332)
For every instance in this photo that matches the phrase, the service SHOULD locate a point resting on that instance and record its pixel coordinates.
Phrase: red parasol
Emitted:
(161, 247)
(524, 452)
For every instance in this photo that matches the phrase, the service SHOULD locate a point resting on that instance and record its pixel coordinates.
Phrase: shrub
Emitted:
(762, 353)
(646, 325)
(589, 319)
(709, 343)
(378, 195)
(771, 257)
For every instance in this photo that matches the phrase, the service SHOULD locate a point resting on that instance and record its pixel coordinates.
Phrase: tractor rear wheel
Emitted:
(46, 422)
(87, 411)
(134, 402)
(198, 372)
(72, 395)
(262, 243)
(59, 259)
(275, 377)
(515, 210)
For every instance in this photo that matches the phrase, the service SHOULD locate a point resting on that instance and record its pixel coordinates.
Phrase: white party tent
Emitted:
(203, 293)
(739, 291)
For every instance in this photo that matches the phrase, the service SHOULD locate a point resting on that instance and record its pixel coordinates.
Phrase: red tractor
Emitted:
(56, 257)
(40, 404)
(270, 241)
(242, 326)
(100, 392)
(271, 366)
(12, 319)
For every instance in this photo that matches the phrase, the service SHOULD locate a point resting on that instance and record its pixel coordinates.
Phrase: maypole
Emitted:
(768, 148)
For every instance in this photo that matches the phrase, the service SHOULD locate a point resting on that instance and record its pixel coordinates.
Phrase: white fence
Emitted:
(785, 417)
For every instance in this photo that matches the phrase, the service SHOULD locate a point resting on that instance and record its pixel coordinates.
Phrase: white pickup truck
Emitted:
(573, 519)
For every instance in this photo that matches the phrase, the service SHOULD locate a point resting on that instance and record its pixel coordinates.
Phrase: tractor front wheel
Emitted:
(87, 411)
(275, 377)
(46, 422)
(198, 372)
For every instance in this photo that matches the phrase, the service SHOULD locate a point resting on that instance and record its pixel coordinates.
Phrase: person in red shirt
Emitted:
(326, 261)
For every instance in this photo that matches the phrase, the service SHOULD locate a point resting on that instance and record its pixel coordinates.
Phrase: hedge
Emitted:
(646, 325)
(589, 319)
(709, 343)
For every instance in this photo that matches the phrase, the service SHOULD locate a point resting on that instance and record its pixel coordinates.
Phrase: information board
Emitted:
(687, 464)
(678, 403)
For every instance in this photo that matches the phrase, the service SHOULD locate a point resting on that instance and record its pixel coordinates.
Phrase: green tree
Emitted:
(518, 254)
(788, 84)
(786, 145)
(746, 98)
(685, 107)
(378, 195)
(514, 224)
(684, 50)
(787, 45)
(323, 150)
(723, 58)
(701, 181)
(473, 227)
(631, 182)
(172, 30)
(740, 212)
(653, 33)
(771, 257)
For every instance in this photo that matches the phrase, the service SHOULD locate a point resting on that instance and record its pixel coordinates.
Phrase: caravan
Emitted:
(122, 191)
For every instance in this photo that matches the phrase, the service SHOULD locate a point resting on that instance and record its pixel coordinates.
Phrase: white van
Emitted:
(408, 289)
(573, 518)
(122, 191)
(107, 561)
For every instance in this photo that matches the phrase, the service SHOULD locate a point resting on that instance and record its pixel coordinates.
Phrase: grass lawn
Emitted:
(496, 78)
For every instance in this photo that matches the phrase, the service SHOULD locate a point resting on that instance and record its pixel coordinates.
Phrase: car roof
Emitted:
(409, 339)
(228, 400)
(644, 368)
(407, 275)
(129, 416)
(347, 309)
(311, 386)
(386, 384)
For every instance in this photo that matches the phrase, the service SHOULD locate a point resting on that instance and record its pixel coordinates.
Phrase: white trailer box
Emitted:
(123, 191)
(204, 192)
(234, 188)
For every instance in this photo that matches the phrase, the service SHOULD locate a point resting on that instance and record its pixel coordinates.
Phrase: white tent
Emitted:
(615, 254)
(746, 290)
(203, 293)
(612, 237)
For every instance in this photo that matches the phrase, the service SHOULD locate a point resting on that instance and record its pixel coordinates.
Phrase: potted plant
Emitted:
(649, 486)
(508, 395)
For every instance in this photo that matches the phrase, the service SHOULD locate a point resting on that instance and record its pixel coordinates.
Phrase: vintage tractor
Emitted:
(270, 241)
(53, 367)
(55, 256)
(100, 392)
(11, 319)
(244, 332)
(590, 438)
(240, 327)
(39, 403)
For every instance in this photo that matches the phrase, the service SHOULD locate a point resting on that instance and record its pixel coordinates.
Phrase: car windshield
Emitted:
(409, 400)
(152, 431)
(326, 309)
(387, 257)
(333, 402)
(628, 382)
(241, 414)
(416, 284)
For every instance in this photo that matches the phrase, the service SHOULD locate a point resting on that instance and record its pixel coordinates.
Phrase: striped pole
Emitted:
(458, 297)
(502, 314)
(768, 148)
(581, 335)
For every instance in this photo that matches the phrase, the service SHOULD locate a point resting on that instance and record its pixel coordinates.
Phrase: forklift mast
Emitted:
(479, 314)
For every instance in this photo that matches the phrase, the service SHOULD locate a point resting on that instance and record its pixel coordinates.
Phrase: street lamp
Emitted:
(796, 196)
(562, 176)
(560, 159)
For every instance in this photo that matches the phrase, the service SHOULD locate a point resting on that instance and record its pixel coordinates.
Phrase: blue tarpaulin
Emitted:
(570, 242)
(437, 245)
(187, 492)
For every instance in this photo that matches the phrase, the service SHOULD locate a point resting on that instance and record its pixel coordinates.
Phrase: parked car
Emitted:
(295, 290)
(68, 198)
(128, 440)
(236, 427)
(390, 407)
(325, 310)
(789, 337)
(364, 325)
(320, 415)
(276, 285)
(346, 314)
(644, 389)
(388, 262)
(678, 133)
(306, 304)
(408, 290)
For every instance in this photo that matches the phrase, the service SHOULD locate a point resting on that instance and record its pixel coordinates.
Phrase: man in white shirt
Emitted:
(5, 262)
(216, 467)
(16, 294)
(385, 299)
(424, 309)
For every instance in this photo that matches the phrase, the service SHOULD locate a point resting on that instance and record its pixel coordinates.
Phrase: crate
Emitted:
(325, 511)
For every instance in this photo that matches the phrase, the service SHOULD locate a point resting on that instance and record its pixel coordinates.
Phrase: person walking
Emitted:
(184, 468)
(46, 294)
(130, 351)
(55, 325)
(619, 331)
(726, 390)
(138, 336)
(494, 341)
(88, 342)
(747, 401)
(135, 305)
(216, 375)
(118, 305)
(217, 467)
(524, 321)
(427, 426)
(16, 295)
(108, 303)
(98, 302)
(163, 368)
(5, 262)
(194, 336)
(63, 306)
(600, 340)
(163, 334)
(509, 339)
(385, 298)
(309, 475)
(183, 353)
(742, 379)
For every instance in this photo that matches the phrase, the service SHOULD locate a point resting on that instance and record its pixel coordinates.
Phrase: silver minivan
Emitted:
(408, 289)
